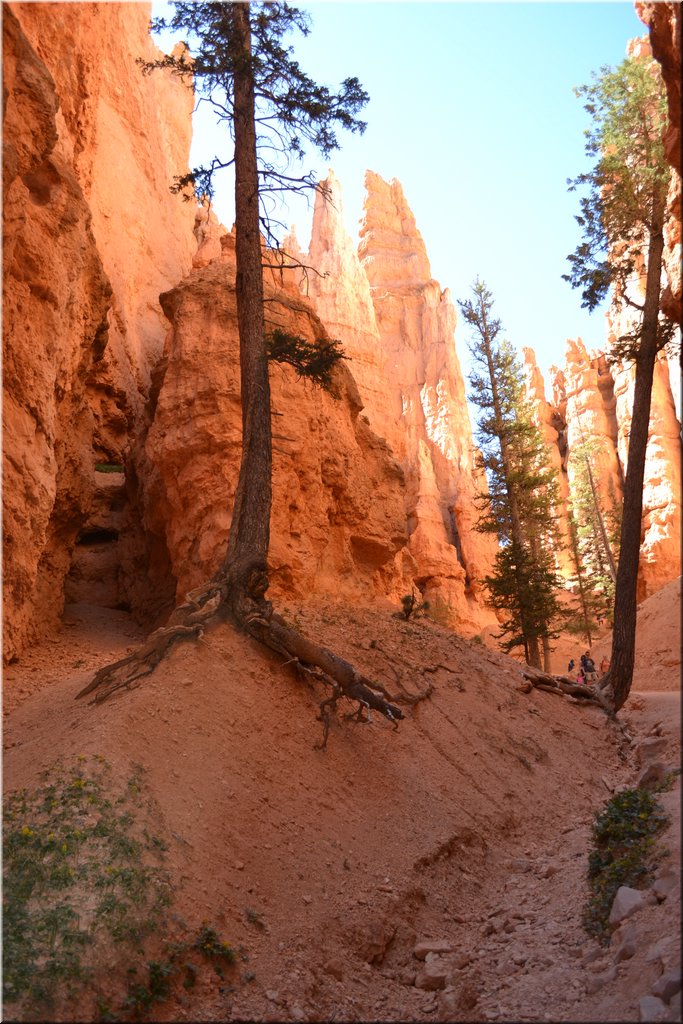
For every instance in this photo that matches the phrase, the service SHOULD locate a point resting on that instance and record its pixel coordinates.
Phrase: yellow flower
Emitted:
(64, 847)
(26, 831)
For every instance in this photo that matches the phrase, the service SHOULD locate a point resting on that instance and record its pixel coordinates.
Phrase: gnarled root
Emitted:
(328, 668)
(186, 623)
(561, 685)
(241, 597)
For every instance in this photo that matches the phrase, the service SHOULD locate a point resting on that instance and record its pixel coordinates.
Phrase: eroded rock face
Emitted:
(91, 236)
(337, 524)
(397, 326)
(595, 401)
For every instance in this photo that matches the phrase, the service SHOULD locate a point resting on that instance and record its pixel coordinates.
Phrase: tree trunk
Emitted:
(250, 526)
(619, 677)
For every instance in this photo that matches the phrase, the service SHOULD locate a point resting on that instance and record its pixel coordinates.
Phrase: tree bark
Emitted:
(250, 527)
(619, 678)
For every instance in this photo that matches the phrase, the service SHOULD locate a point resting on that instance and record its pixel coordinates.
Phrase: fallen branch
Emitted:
(565, 685)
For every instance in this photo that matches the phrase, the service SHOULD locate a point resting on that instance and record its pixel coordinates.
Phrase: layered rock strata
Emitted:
(91, 236)
(397, 326)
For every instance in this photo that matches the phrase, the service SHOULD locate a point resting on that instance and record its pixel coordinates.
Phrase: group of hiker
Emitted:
(587, 672)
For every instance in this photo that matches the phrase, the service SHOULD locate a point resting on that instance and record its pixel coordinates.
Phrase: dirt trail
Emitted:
(469, 825)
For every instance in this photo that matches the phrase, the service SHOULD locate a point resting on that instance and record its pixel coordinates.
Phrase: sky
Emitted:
(472, 109)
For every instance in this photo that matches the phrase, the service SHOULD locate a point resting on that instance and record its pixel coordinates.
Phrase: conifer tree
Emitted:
(269, 106)
(622, 220)
(518, 507)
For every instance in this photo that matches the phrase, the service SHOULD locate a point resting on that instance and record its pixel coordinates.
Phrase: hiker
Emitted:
(581, 677)
(584, 659)
(589, 668)
(570, 666)
(604, 665)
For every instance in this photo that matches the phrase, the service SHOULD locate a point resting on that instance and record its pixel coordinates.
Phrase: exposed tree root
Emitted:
(561, 685)
(241, 600)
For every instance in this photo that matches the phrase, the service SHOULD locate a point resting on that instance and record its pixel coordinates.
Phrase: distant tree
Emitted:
(622, 220)
(272, 109)
(522, 488)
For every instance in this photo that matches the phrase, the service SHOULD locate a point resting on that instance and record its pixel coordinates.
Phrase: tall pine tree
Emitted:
(518, 507)
(622, 220)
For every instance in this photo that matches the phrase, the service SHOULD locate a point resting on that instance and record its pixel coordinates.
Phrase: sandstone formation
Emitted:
(397, 326)
(337, 525)
(91, 236)
(553, 430)
(593, 400)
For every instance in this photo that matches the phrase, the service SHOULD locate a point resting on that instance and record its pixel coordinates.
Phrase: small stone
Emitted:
(597, 981)
(239, 865)
(667, 985)
(335, 968)
(272, 996)
(626, 902)
(307, 900)
(548, 871)
(675, 1006)
(627, 946)
(664, 884)
(433, 976)
(425, 946)
(296, 1013)
(461, 961)
(651, 775)
(648, 749)
(652, 1009)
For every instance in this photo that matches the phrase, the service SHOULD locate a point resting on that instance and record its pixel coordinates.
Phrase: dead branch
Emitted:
(565, 685)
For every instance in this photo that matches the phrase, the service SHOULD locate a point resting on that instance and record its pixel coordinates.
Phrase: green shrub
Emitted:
(623, 852)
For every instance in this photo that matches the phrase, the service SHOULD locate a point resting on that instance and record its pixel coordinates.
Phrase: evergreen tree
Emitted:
(622, 220)
(522, 495)
(270, 106)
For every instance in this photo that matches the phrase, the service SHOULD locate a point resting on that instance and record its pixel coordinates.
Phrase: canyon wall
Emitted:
(397, 326)
(374, 492)
(91, 236)
(337, 524)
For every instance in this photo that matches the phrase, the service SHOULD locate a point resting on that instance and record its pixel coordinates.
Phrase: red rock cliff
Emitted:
(91, 236)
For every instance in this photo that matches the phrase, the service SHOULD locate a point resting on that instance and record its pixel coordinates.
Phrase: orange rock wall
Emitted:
(398, 328)
(337, 525)
(91, 236)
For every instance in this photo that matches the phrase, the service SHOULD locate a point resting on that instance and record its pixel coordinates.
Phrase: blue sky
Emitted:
(472, 110)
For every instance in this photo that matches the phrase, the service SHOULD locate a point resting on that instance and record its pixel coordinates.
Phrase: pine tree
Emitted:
(270, 107)
(522, 494)
(622, 220)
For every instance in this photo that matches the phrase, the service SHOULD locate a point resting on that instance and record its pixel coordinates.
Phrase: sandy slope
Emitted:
(351, 854)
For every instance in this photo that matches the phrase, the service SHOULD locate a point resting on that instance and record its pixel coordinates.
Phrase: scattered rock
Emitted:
(648, 749)
(627, 945)
(626, 902)
(596, 981)
(433, 976)
(652, 775)
(335, 968)
(651, 1009)
(377, 938)
(667, 985)
(425, 946)
(665, 883)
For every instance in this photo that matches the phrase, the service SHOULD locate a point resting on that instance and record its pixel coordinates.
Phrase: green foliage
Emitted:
(313, 360)
(627, 185)
(108, 467)
(292, 111)
(411, 605)
(83, 880)
(623, 852)
(519, 506)
(74, 871)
